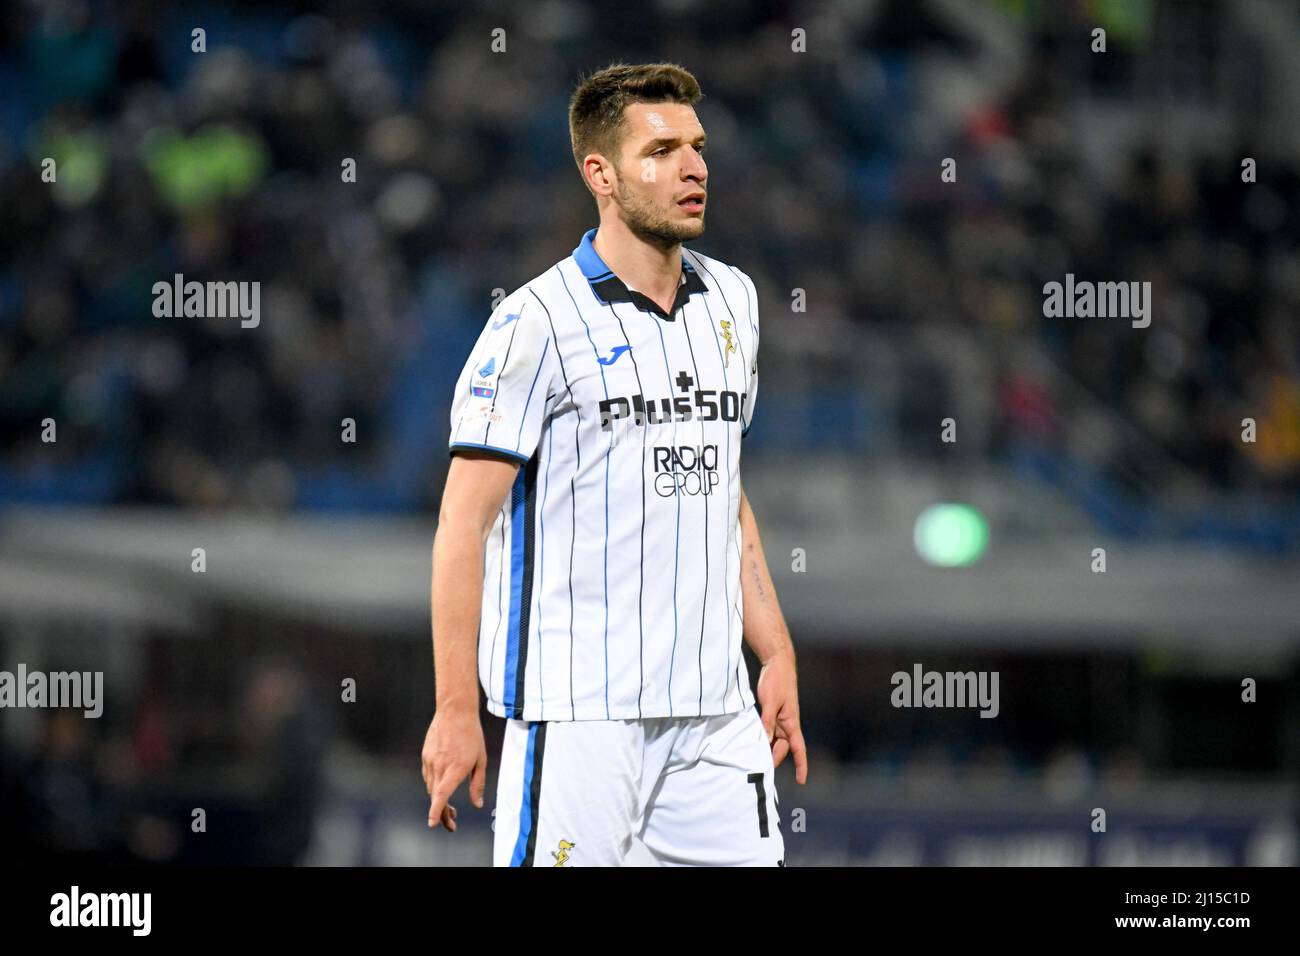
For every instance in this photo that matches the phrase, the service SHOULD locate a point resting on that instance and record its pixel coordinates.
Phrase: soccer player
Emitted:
(594, 542)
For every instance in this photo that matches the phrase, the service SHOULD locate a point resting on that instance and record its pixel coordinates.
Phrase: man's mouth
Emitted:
(693, 202)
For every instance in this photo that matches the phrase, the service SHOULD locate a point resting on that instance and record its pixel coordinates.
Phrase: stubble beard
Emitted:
(650, 225)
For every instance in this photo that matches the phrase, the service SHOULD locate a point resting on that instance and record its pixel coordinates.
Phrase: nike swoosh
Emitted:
(613, 355)
(506, 321)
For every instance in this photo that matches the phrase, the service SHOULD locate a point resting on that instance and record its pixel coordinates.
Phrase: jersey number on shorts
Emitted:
(761, 793)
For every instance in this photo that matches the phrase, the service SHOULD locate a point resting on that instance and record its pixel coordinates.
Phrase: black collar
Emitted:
(610, 288)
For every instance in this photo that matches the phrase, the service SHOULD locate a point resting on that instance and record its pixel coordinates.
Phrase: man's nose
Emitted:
(695, 167)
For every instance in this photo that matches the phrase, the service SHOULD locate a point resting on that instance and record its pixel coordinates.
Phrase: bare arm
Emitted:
(767, 635)
(765, 629)
(477, 487)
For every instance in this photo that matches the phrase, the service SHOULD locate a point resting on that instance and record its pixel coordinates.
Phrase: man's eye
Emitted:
(661, 149)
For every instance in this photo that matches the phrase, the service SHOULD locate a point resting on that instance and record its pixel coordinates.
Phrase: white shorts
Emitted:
(664, 791)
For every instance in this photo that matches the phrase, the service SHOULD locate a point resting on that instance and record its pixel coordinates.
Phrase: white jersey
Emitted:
(611, 585)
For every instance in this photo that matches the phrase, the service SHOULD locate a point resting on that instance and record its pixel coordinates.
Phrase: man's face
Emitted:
(662, 164)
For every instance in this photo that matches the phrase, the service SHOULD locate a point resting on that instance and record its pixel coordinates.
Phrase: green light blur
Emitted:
(951, 535)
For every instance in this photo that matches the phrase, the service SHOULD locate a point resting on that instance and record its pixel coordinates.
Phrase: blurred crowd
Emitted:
(172, 780)
(229, 165)
(242, 751)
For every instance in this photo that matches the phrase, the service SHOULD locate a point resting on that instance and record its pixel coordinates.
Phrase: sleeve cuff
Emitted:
(508, 454)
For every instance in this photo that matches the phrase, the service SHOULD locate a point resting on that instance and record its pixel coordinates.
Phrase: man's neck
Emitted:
(643, 267)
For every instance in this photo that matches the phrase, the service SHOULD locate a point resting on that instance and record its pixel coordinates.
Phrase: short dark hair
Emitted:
(596, 109)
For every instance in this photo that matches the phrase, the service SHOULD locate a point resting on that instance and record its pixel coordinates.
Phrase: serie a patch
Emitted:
(482, 386)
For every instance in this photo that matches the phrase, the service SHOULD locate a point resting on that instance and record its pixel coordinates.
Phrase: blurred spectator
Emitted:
(228, 165)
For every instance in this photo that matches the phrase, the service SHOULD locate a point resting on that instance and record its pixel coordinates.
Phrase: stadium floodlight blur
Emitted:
(912, 301)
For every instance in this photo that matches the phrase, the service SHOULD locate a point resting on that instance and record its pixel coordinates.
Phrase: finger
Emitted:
(438, 802)
(436, 810)
(800, 751)
(779, 751)
(478, 782)
(769, 721)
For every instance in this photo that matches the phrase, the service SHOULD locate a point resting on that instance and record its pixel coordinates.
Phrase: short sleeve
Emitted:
(502, 394)
(751, 386)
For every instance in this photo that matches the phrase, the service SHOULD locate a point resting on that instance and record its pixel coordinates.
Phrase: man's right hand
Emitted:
(453, 750)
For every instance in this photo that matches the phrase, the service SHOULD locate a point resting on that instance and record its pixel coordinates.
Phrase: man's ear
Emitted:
(601, 175)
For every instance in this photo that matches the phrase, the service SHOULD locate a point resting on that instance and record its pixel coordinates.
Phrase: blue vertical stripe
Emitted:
(605, 386)
(726, 383)
(541, 576)
(516, 589)
(526, 809)
(523, 417)
(677, 543)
